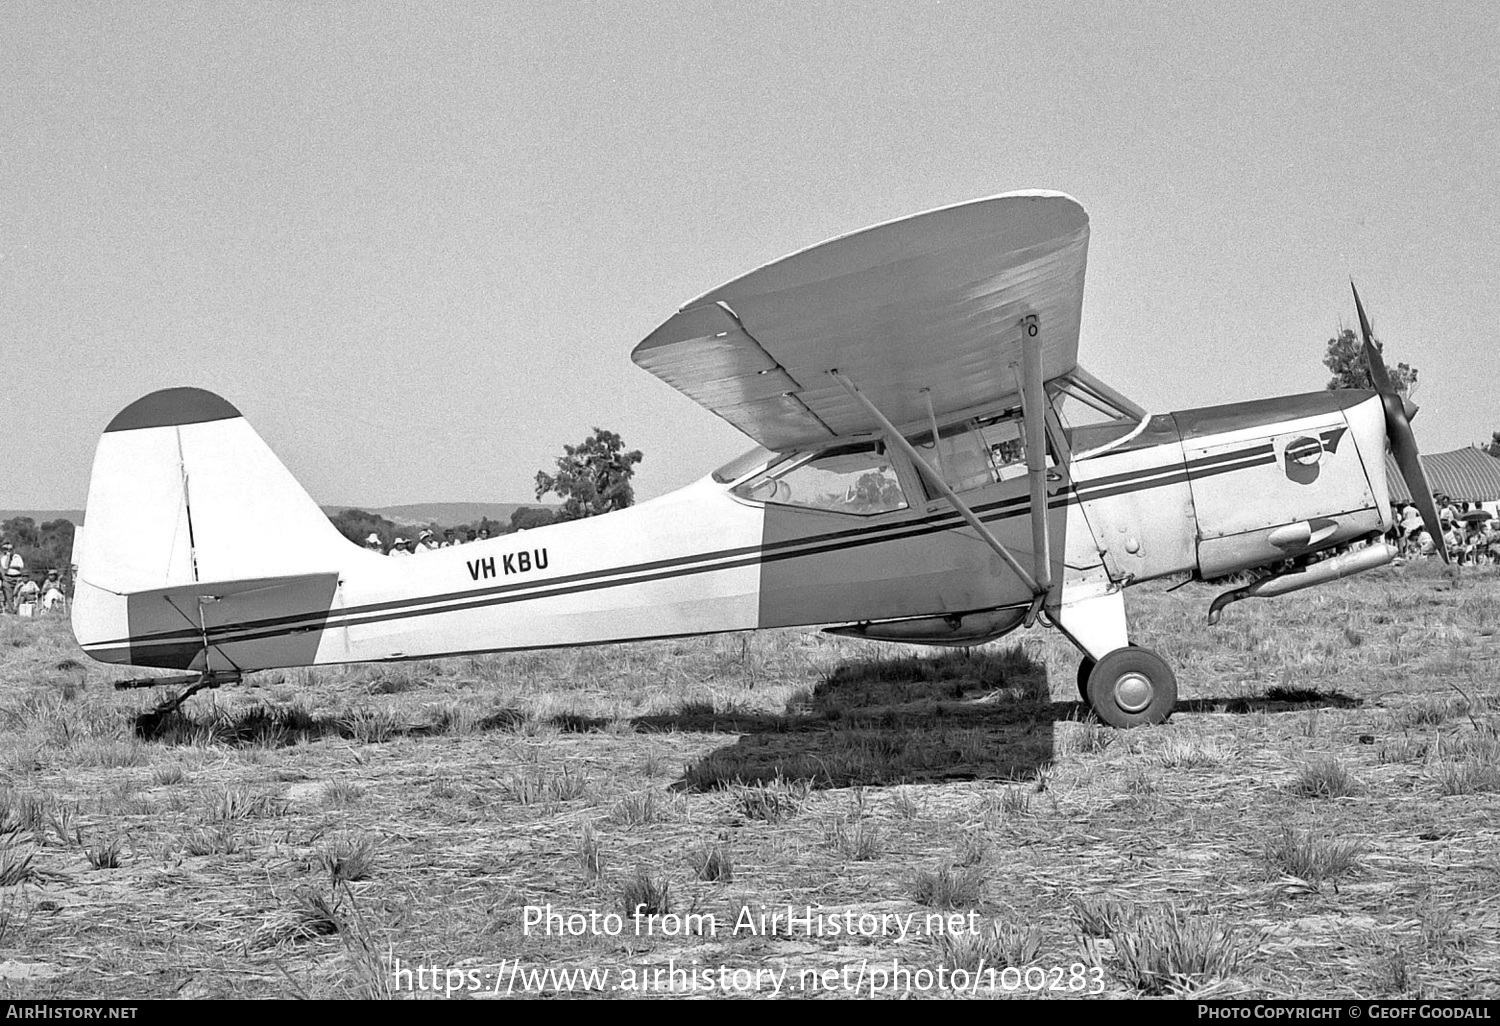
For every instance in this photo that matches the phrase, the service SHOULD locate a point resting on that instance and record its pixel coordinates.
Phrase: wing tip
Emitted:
(170, 407)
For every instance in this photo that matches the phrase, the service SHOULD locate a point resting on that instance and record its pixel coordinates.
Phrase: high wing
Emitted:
(931, 301)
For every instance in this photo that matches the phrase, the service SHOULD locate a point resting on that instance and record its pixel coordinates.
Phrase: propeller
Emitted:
(1398, 414)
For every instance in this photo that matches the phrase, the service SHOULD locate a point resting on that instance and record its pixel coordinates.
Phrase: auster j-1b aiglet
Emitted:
(915, 394)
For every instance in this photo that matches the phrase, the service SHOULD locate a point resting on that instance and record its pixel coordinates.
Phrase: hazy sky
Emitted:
(415, 243)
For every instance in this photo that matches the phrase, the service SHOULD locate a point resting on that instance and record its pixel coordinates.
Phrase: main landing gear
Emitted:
(1129, 687)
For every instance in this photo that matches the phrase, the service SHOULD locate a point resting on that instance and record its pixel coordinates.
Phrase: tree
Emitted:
(592, 478)
(1345, 356)
(1494, 447)
(357, 525)
(524, 518)
(46, 548)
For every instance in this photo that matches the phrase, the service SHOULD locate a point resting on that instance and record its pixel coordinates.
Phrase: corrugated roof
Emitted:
(1464, 475)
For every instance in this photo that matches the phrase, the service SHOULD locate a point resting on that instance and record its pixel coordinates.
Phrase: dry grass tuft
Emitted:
(590, 854)
(15, 866)
(370, 726)
(104, 856)
(1311, 858)
(341, 792)
(645, 895)
(857, 839)
(1427, 712)
(713, 862)
(541, 785)
(1325, 778)
(15, 917)
(779, 800)
(1468, 763)
(310, 914)
(949, 887)
(972, 848)
(1091, 737)
(1187, 753)
(347, 859)
(1102, 916)
(1163, 952)
(998, 945)
(636, 809)
(904, 804)
(21, 812)
(222, 840)
(168, 773)
(238, 803)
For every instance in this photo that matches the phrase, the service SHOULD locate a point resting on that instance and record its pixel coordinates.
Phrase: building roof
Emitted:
(1464, 475)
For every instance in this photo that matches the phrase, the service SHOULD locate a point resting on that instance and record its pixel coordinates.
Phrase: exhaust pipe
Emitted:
(1368, 558)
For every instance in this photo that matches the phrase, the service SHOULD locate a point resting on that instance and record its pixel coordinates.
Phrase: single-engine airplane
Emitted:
(921, 476)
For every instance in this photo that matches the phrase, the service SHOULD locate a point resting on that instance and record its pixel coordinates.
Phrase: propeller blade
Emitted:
(1398, 432)
(1378, 375)
(1404, 448)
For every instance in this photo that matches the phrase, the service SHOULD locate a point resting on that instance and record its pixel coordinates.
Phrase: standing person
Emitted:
(1446, 511)
(1411, 519)
(426, 542)
(12, 570)
(398, 548)
(373, 543)
(448, 541)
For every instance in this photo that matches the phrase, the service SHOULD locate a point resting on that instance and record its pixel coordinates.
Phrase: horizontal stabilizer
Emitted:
(242, 625)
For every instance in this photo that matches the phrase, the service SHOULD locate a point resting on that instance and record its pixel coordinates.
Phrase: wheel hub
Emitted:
(1133, 692)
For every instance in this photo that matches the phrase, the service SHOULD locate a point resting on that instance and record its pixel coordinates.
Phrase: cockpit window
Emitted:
(976, 453)
(1095, 418)
(744, 464)
(857, 479)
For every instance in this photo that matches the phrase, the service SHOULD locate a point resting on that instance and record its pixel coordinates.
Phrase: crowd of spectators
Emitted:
(25, 592)
(426, 541)
(1471, 533)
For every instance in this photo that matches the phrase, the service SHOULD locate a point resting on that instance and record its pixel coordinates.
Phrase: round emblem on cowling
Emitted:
(1304, 451)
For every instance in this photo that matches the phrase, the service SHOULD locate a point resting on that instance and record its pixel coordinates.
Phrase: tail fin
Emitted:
(185, 495)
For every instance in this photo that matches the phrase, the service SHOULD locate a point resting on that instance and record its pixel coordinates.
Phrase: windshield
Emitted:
(745, 464)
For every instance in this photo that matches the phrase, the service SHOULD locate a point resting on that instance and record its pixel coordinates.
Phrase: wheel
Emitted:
(1132, 687)
(1085, 667)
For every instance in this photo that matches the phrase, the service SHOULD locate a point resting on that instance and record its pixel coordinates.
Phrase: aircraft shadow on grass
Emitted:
(877, 721)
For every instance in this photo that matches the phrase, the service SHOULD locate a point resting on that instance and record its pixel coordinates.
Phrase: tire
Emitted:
(1132, 687)
(1085, 667)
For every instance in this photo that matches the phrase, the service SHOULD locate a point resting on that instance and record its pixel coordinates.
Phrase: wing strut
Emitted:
(895, 437)
(1034, 413)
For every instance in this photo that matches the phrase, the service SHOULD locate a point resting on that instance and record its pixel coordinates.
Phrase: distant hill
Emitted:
(445, 513)
(41, 516)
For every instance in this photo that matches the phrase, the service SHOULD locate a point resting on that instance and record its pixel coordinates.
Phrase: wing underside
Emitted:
(929, 302)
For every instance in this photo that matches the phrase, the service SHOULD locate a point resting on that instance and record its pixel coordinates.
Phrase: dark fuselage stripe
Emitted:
(728, 559)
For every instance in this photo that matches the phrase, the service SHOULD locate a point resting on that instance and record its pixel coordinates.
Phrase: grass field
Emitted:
(1317, 819)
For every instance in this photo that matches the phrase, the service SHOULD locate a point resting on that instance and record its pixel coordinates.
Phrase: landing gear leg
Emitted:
(1125, 685)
